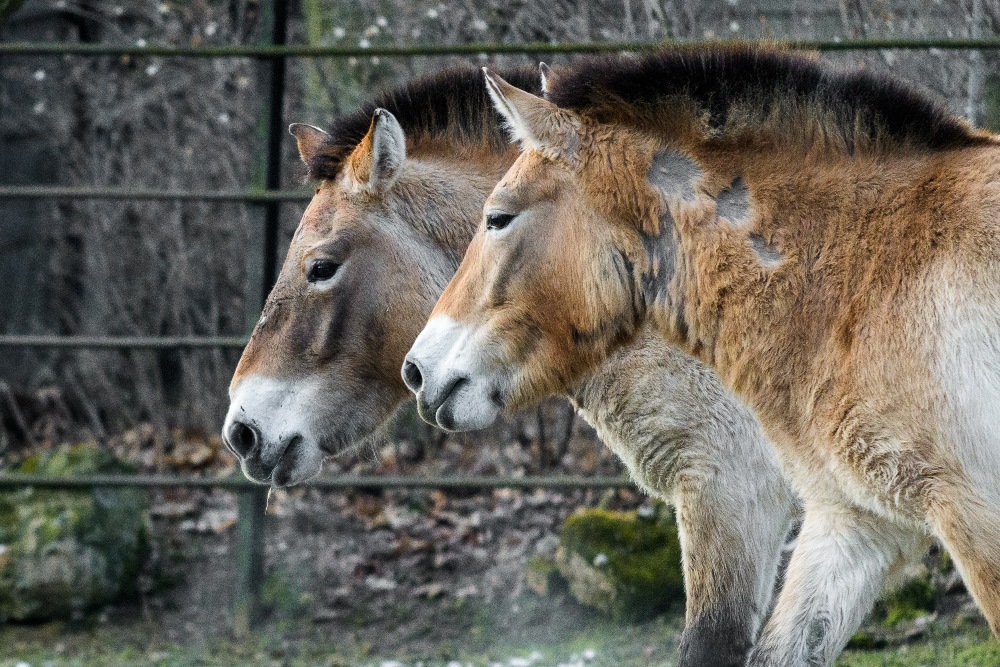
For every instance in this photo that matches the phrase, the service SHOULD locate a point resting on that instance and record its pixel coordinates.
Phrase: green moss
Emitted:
(887, 624)
(914, 599)
(64, 551)
(625, 564)
(945, 563)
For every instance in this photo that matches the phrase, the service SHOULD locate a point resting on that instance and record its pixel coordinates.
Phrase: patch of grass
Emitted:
(284, 595)
(53, 645)
(649, 644)
(967, 648)
(915, 598)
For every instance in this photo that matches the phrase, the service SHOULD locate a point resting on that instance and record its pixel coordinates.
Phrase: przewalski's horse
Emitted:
(827, 240)
(400, 193)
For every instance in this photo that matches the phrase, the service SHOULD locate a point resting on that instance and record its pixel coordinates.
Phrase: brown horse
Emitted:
(826, 240)
(401, 185)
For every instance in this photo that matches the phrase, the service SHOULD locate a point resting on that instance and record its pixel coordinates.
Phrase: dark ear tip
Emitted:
(294, 128)
(383, 116)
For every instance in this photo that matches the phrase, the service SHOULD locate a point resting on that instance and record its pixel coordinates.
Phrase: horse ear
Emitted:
(534, 122)
(374, 163)
(548, 76)
(309, 139)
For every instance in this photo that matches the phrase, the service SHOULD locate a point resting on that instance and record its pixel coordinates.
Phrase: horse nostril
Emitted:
(243, 438)
(412, 377)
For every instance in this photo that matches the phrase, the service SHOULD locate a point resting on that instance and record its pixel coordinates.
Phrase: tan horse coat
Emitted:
(827, 241)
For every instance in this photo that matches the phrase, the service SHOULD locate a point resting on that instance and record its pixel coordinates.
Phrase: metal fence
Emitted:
(252, 498)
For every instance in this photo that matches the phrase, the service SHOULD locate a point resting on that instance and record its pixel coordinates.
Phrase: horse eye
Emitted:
(498, 221)
(320, 270)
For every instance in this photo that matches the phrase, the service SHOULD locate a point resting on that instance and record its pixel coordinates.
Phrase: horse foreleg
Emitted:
(731, 536)
(835, 575)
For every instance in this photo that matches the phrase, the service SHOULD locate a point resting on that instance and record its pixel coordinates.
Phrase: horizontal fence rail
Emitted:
(345, 482)
(86, 192)
(124, 342)
(389, 51)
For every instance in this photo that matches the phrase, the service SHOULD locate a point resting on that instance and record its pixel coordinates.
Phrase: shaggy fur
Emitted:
(742, 86)
(450, 106)
(853, 302)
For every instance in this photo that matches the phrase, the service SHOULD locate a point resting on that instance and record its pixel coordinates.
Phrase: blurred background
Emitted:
(353, 576)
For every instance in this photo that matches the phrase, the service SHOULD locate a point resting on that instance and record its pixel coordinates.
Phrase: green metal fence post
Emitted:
(251, 504)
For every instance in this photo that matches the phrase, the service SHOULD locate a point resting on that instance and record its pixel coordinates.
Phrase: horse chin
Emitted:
(459, 384)
(290, 473)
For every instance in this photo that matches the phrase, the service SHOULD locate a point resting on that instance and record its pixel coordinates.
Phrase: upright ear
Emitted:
(312, 142)
(548, 76)
(534, 122)
(374, 163)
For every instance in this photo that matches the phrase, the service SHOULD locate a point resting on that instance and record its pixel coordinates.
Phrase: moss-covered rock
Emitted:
(627, 564)
(67, 551)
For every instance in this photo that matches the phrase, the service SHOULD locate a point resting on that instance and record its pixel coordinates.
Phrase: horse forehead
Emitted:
(538, 165)
(531, 176)
(331, 211)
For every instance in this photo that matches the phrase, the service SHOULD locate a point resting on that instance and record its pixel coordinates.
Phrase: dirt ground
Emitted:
(394, 579)
(361, 577)
(387, 572)
(387, 580)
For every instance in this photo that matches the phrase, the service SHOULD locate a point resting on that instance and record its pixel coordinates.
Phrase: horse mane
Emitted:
(451, 105)
(736, 86)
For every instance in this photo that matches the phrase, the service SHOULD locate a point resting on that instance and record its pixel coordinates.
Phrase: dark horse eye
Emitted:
(498, 220)
(321, 269)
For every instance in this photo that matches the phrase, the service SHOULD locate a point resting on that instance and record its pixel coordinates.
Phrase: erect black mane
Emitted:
(866, 107)
(452, 104)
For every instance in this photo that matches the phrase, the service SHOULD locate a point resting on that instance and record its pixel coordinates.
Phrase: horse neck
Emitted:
(722, 245)
(666, 416)
(768, 256)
